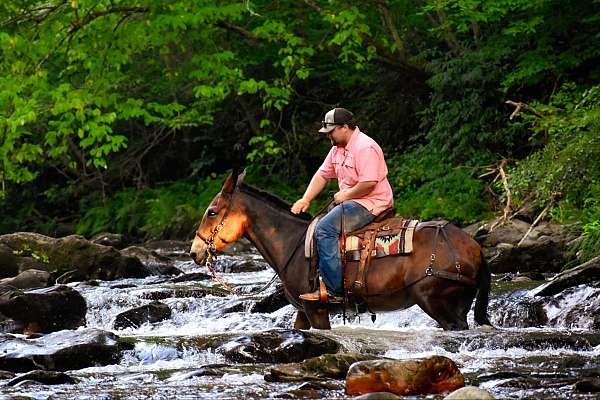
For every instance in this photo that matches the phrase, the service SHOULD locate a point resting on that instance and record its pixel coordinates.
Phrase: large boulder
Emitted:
(544, 249)
(431, 375)
(60, 351)
(74, 256)
(45, 310)
(278, 346)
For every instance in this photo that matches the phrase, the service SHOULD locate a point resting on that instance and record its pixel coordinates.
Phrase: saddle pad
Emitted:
(386, 243)
(308, 240)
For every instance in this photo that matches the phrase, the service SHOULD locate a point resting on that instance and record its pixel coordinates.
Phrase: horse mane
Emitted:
(272, 199)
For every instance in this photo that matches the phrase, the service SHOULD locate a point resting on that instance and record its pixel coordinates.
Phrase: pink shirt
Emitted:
(360, 161)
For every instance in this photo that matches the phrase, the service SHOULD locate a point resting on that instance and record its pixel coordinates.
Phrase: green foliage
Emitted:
(97, 96)
(168, 211)
(564, 173)
(426, 186)
(569, 164)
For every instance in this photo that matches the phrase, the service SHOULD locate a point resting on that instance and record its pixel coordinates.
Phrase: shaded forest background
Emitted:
(122, 115)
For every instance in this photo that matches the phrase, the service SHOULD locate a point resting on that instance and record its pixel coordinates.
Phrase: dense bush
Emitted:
(167, 211)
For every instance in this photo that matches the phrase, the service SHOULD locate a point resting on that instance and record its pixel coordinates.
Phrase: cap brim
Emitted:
(327, 130)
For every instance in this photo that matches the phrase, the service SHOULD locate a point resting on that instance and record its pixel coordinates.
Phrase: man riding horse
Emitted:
(358, 164)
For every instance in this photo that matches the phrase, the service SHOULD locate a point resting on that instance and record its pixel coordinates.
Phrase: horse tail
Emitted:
(484, 279)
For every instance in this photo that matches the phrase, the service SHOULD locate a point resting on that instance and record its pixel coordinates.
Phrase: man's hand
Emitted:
(300, 206)
(341, 196)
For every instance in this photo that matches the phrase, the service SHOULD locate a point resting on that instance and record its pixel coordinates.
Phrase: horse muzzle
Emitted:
(199, 251)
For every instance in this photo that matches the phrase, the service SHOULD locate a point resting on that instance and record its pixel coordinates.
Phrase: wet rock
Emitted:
(239, 307)
(29, 279)
(239, 266)
(60, 351)
(585, 273)
(217, 370)
(470, 393)
(194, 276)
(44, 377)
(316, 385)
(522, 312)
(13, 262)
(45, 310)
(270, 303)
(591, 385)
(73, 257)
(170, 248)
(155, 263)
(326, 366)
(431, 375)
(544, 249)
(115, 240)
(584, 313)
(278, 346)
(8, 325)
(134, 318)
(6, 375)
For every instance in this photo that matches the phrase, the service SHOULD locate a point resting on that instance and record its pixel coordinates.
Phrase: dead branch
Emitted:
(521, 106)
(538, 219)
(506, 188)
(500, 173)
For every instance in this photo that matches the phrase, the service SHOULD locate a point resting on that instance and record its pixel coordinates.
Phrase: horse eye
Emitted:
(211, 213)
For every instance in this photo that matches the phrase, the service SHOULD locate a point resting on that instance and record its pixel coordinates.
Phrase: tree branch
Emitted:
(387, 19)
(522, 106)
(238, 29)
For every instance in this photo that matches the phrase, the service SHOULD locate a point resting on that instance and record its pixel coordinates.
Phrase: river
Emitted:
(513, 361)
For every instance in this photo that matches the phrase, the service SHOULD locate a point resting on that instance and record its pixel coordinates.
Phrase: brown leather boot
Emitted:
(321, 295)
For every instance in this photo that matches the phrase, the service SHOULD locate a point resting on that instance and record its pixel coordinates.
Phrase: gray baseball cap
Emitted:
(337, 116)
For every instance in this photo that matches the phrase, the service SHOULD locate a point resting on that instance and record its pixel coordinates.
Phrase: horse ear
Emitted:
(229, 183)
(232, 180)
(241, 177)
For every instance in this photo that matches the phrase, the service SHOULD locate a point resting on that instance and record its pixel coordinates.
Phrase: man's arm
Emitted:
(316, 185)
(358, 190)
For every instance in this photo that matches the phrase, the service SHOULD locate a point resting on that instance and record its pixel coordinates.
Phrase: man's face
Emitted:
(337, 136)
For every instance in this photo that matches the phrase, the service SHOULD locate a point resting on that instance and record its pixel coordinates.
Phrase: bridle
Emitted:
(211, 250)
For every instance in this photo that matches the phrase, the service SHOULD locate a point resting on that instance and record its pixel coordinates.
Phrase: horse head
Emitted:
(223, 223)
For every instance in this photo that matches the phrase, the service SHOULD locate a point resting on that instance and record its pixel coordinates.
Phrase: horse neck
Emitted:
(275, 233)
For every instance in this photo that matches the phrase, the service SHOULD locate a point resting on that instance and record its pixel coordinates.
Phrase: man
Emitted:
(357, 162)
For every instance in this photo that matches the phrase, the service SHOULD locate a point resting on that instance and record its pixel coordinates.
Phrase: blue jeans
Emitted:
(328, 232)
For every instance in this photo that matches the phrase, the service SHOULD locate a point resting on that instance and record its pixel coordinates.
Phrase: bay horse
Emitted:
(395, 282)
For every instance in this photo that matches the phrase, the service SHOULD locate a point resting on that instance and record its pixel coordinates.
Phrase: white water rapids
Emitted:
(510, 362)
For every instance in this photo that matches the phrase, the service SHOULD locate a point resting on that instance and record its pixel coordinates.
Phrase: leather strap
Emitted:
(322, 291)
(458, 277)
(365, 261)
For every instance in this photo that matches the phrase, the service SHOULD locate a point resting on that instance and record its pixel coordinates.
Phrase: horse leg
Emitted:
(302, 321)
(318, 315)
(451, 315)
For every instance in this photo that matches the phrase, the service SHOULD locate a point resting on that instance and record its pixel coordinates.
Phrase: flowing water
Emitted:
(166, 362)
